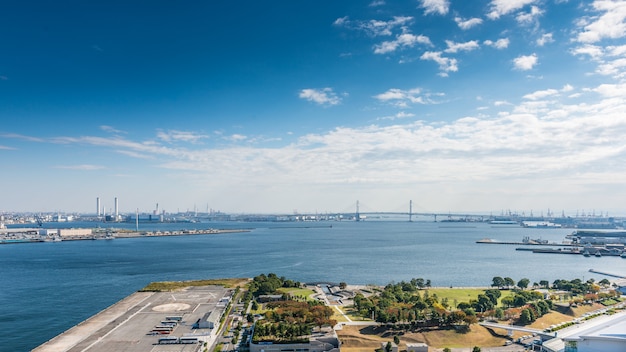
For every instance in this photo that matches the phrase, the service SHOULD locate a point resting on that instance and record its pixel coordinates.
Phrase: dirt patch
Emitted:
(367, 339)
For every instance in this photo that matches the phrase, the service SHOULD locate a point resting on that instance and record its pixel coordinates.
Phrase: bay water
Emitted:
(46, 288)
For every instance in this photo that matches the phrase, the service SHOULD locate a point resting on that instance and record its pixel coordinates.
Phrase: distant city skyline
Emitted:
(273, 107)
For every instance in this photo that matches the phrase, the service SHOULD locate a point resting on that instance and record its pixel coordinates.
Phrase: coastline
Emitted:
(30, 235)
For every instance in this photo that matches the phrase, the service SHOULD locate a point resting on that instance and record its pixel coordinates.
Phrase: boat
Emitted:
(598, 254)
(623, 255)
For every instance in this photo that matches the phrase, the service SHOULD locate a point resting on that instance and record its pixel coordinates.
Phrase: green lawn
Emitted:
(304, 292)
(460, 294)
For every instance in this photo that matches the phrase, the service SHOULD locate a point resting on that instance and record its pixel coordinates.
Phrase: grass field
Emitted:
(460, 294)
(302, 292)
(165, 286)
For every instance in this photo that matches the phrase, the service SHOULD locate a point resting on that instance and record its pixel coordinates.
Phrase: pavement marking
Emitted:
(115, 328)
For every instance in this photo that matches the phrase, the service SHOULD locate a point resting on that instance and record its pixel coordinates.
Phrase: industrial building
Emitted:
(323, 340)
(606, 333)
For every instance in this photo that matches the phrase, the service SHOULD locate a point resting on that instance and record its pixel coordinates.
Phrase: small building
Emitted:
(75, 233)
(417, 347)
(209, 320)
(323, 340)
(604, 333)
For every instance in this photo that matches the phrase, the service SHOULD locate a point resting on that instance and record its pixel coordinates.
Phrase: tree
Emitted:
(493, 295)
(396, 340)
(508, 301)
(523, 283)
(476, 349)
(343, 285)
(509, 282)
(526, 317)
(497, 281)
(499, 313)
(544, 283)
(447, 349)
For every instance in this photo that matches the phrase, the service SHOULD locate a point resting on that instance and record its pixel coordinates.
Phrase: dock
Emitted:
(607, 274)
(526, 243)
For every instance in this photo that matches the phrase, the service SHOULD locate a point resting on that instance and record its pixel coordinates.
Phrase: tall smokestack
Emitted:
(98, 206)
(116, 208)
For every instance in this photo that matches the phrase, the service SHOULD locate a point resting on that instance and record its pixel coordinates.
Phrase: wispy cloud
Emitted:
(324, 96)
(404, 98)
(398, 116)
(22, 137)
(440, 7)
(404, 40)
(181, 136)
(469, 23)
(83, 167)
(526, 18)
(4, 147)
(499, 8)
(545, 39)
(111, 129)
(454, 47)
(374, 28)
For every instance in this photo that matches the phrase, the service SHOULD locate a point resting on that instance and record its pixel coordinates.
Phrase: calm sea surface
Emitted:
(46, 288)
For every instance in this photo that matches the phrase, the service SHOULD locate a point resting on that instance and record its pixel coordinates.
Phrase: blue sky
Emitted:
(249, 106)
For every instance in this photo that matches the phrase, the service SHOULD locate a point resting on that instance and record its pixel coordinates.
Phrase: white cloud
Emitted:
(525, 63)
(610, 24)
(435, 6)
(376, 3)
(324, 96)
(501, 43)
(551, 143)
(467, 24)
(611, 90)
(544, 39)
(4, 147)
(540, 94)
(529, 17)
(403, 98)
(499, 8)
(456, 47)
(446, 64)
(402, 40)
(595, 52)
